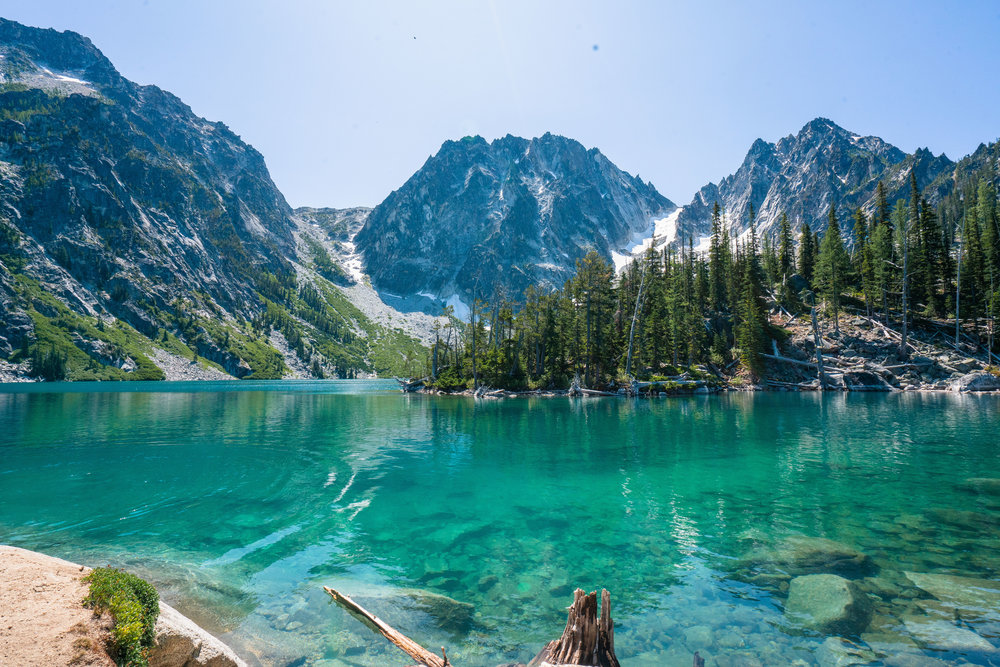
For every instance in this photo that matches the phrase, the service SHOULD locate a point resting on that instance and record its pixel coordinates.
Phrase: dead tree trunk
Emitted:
(819, 351)
(407, 645)
(587, 639)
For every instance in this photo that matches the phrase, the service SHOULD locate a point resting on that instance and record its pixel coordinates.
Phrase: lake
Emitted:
(468, 523)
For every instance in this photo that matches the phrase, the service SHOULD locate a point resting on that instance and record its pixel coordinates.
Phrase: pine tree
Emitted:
(973, 268)
(881, 206)
(752, 315)
(786, 258)
(832, 268)
(807, 253)
(718, 262)
(986, 213)
(932, 257)
(864, 259)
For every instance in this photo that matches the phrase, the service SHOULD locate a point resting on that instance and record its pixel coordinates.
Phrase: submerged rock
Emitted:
(840, 652)
(969, 598)
(987, 486)
(941, 635)
(828, 603)
(450, 615)
(800, 555)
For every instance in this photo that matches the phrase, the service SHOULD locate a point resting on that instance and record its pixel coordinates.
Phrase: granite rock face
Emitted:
(182, 643)
(803, 174)
(117, 198)
(482, 217)
(119, 203)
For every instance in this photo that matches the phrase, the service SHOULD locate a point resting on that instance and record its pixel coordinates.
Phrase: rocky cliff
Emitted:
(481, 218)
(803, 174)
(126, 221)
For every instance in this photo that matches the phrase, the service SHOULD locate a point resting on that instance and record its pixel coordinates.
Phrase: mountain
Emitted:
(132, 230)
(802, 175)
(481, 218)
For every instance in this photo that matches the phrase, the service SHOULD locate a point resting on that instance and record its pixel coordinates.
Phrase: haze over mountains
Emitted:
(135, 233)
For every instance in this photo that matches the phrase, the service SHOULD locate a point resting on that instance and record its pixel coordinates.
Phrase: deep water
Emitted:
(468, 523)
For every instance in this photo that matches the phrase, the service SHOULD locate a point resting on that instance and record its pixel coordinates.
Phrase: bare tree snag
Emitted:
(586, 640)
(407, 645)
(819, 352)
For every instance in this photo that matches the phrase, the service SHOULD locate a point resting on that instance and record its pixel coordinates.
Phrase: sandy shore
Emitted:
(42, 617)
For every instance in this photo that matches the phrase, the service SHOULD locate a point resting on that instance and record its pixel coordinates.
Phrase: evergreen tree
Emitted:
(807, 253)
(989, 225)
(786, 259)
(752, 315)
(718, 262)
(863, 264)
(933, 274)
(832, 268)
(972, 267)
(881, 206)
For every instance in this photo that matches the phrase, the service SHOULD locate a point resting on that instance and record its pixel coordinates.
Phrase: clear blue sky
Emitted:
(347, 99)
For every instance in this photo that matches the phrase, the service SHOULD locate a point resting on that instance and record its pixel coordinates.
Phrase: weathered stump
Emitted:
(587, 639)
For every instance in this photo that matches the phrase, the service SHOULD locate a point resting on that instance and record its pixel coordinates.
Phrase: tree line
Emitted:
(681, 308)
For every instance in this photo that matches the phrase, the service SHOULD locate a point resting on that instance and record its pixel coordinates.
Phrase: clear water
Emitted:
(468, 524)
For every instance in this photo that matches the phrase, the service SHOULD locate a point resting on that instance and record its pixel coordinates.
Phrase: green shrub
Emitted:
(133, 604)
(449, 380)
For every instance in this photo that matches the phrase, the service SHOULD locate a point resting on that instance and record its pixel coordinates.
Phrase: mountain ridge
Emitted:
(134, 229)
(481, 217)
(802, 174)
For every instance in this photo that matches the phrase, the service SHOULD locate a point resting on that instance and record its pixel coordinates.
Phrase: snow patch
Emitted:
(461, 309)
(70, 79)
(352, 262)
(704, 243)
(664, 230)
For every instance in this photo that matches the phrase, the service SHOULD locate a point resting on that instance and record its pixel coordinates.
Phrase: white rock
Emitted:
(182, 643)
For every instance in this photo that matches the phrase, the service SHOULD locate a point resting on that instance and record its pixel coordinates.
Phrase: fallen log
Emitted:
(586, 640)
(595, 392)
(407, 645)
(807, 364)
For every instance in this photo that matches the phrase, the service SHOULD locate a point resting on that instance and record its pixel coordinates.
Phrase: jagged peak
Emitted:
(61, 50)
(821, 125)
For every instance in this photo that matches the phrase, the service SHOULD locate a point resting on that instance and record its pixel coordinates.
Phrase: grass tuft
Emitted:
(133, 604)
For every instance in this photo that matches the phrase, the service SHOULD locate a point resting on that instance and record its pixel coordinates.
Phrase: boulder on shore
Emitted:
(972, 382)
(828, 603)
(182, 643)
(865, 381)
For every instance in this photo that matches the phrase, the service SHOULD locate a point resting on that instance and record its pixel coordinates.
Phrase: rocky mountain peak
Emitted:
(486, 217)
(801, 175)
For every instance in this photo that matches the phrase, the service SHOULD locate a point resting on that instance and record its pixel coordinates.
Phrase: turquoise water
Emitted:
(468, 524)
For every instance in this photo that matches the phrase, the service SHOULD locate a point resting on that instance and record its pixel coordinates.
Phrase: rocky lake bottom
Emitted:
(756, 529)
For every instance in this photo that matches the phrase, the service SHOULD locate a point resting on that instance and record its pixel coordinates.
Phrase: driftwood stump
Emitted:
(587, 639)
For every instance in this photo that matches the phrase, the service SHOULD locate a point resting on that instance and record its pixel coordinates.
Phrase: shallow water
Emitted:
(469, 523)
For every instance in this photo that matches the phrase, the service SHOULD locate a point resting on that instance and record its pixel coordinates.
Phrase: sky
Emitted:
(346, 100)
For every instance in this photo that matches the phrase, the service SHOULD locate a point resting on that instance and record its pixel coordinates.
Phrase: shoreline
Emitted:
(977, 382)
(43, 620)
